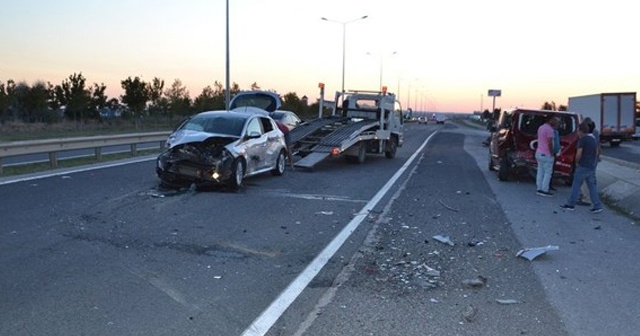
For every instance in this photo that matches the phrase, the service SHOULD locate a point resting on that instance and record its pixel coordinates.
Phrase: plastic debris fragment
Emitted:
(326, 213)
(534, 252)
(444, 239)
(469, 313)
(478, 282)
(507, 301)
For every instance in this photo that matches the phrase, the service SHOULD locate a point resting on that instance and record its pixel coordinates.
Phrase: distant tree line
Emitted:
(73, 99)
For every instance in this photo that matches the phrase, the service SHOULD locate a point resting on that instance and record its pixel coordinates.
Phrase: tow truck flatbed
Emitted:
(367, 122)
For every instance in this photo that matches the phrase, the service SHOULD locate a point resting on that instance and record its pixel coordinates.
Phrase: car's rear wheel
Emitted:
(280, 164)
(504, 170)
(237, 173)
(491, 166)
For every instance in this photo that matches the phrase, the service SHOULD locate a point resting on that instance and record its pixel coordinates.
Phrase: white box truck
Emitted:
(613, 114)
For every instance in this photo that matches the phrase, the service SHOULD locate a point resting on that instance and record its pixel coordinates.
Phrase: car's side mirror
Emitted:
(253, 135)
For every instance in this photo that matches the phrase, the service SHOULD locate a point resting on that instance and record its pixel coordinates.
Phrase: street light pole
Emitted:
(344, 40)
(381, 65)
(227, 96)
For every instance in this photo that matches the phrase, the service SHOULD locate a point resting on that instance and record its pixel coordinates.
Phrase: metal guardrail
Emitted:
(54, 146)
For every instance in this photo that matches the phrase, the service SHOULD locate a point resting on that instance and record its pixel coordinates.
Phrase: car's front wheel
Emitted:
(280, 164)
(237, 173)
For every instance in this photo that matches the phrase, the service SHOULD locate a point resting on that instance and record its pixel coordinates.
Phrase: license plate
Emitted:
(189, 171)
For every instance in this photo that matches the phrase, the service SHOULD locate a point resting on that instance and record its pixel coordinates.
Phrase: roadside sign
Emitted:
(494, 93)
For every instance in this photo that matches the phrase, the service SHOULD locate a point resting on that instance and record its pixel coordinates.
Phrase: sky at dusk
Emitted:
(438, 55)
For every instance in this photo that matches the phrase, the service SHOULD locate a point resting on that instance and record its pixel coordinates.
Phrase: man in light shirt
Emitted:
(545, 155)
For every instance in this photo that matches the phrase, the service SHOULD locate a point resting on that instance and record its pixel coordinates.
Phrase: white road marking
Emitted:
(39, 176)
(264, 322)
(284, 193)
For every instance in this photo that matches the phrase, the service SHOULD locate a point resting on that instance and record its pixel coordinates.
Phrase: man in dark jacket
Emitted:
(586, 161)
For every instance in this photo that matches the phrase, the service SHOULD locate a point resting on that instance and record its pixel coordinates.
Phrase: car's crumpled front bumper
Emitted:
(179, 167)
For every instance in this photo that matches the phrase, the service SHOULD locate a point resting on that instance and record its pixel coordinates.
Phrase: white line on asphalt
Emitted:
(71, 171)
(264, 322)
(320, 197)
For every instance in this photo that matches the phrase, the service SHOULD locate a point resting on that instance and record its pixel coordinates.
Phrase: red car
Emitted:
(514, 141)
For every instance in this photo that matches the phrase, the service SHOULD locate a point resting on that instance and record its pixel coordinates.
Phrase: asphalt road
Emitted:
(105, 252)
(627, 151)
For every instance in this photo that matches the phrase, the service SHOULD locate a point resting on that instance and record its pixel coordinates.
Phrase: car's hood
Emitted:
(188, 136)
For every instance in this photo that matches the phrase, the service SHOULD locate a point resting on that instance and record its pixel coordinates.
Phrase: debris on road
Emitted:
(448, 207)
(534, 252)
(326, 213)
(507, 301)
(469, 313)
(478, 282)
(444, 239)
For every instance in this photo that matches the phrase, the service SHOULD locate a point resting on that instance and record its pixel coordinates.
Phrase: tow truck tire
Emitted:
(392, 146)
(237, 174)
(280, 164)
(362, 154)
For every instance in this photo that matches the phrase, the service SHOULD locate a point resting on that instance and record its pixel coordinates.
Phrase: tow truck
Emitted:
(365, 122)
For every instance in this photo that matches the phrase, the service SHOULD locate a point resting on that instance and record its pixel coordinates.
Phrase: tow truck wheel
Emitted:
(280, 164)
(361, 156)
(362, 153)
(392, 146)
(237, 177)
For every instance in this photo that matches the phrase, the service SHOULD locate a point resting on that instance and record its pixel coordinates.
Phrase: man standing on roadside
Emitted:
(586, 161)
(544, 156)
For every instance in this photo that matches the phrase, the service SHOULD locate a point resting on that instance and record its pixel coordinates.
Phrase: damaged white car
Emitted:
(225, 147)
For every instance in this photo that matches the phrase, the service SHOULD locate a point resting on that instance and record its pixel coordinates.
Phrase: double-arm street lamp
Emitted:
(344, 38)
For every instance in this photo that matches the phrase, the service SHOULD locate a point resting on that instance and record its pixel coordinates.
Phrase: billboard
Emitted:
(494, 93)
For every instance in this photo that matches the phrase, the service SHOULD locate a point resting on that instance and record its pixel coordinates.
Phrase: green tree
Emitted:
(292, 102)
(208, 100)
(74, 95)
(179, 101)
(98, 100)
(136, 96)
(37, 103)
(12, 101)
(4, 103)
(549, 106)
(159, 103)
(20, 95)
(496, 114)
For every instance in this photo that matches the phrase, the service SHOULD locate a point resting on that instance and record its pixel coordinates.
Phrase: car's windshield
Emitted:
(260, 101)
(529, 123)
(277, 115)
(221, 124)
